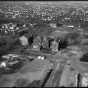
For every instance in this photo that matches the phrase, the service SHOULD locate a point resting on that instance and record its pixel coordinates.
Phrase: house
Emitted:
(58, 40)
(45, 42)
(24, 40)
(54, 46)
(53, 25)
(36, 43)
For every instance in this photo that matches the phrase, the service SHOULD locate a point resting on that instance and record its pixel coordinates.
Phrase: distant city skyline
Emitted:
(48, 2)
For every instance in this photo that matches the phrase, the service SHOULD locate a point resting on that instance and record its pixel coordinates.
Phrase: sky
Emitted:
(50, 2)
(55, 3)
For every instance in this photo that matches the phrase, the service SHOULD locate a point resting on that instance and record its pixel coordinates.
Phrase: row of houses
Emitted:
(54, 41)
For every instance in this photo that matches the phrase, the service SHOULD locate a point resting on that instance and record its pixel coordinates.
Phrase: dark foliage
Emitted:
(84, 58)
(7, 43)
(30, 40)
(62, 44)
(73, 38)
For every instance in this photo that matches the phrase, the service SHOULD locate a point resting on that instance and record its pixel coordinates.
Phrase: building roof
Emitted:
(56, 34)
(81, 67)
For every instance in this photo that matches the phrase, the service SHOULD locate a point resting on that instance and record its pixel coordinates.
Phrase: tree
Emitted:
(73, 38)
(7, 44)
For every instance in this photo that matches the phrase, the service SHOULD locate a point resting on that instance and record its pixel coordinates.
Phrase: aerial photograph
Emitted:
(43, 44)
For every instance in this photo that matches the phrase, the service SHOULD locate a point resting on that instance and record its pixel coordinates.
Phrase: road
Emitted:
(59, 63)
(35, 70)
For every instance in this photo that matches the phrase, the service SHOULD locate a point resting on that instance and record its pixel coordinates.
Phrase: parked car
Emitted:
(11, 64)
